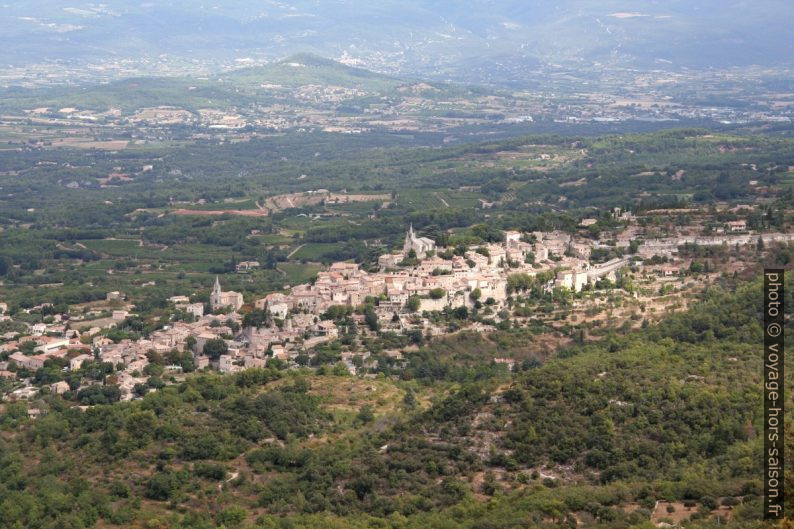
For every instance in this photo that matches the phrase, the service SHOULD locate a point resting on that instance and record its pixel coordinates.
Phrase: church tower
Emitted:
(221, 300)
(215, 297)
(408, 245)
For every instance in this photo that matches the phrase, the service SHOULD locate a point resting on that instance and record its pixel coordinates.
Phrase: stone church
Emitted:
(220, 299)
(421, 245)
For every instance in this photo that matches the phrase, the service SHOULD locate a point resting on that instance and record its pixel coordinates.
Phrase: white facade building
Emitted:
(421, 245)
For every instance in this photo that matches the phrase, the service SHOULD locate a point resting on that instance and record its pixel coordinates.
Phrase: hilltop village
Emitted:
(421, 291)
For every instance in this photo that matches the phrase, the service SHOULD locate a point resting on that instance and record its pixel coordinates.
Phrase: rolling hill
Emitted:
(236, 88)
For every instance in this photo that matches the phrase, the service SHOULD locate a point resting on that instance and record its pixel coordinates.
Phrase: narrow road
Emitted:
(293, 252)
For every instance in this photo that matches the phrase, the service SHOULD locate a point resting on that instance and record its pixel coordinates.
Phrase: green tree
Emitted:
(371, 319)
(215, 348)
(232, 516)
(414, 302)
(409, 400)
(365, 414)
(437, 293)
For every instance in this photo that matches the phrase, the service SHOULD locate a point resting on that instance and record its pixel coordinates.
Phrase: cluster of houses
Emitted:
(295, 323)
(408, 286)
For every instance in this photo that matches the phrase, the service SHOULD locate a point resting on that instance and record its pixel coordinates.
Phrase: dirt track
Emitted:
(218, 212)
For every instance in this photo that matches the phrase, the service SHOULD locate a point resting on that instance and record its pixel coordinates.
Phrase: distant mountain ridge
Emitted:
(408, 37)
(239, 87)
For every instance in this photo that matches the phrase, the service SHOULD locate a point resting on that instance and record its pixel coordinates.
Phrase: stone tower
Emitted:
(216, 296)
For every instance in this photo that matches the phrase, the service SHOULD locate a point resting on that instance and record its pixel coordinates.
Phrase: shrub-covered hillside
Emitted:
(660, 425)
